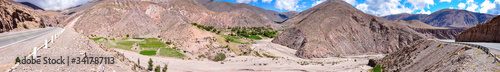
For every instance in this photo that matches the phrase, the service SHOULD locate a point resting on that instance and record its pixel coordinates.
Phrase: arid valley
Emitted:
(249, 35)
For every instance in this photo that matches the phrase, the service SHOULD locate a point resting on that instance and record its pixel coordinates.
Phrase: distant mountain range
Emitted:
(219, 6)
(452, 18)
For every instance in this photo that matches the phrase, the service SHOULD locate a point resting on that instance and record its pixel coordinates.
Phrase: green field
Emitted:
(148, 46)
(97, 38)
(149, 52)
(255, 37)
(169, 52)
(151, 43)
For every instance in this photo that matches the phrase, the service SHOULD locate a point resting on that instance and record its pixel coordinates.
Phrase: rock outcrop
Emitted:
(12, 17)
(433, 56)
(452, 18)
(334, 27)
(488, 31)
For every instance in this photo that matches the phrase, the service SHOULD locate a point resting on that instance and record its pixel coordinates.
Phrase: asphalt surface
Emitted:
(10, 39)
(489, 45)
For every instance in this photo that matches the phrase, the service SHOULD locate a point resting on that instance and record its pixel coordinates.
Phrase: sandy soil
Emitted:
(285, 61)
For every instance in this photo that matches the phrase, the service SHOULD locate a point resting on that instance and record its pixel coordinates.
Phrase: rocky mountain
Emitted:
(167, 20)
(452, 18)
(433, 56)
(334, 28)
(488, 31)
(219, 6)
(431, 31)
(13, 17)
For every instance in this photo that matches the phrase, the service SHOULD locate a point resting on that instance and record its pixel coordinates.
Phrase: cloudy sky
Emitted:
(55, 4)
(383, 7)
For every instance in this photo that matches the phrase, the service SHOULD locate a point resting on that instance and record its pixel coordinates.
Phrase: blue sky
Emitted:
(383, 7)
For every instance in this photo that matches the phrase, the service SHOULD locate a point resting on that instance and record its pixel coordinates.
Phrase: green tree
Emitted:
(157, 68)
(165, 68)
(18, 60)
(150, 64)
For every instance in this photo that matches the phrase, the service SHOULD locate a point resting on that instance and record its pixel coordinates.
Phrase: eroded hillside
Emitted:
(335, 28)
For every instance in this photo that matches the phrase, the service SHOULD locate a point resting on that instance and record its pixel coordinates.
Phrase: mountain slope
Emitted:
(488, 31)
(452, 18)
(335, 28)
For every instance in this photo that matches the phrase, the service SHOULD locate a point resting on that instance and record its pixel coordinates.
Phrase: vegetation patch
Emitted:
(377, 68)
(151, 43)
(255, 37)
(126, 43)
(97, 38)
(169, 52)
(220, 57)
(149, 52)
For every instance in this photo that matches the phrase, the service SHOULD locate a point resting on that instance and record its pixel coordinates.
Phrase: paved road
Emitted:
(489, 45)
(10, 39)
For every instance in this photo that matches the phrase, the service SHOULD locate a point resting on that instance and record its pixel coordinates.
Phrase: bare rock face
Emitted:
(337, 28)
(12, 17)
(429, 55)
(488, 31)
(233, 17)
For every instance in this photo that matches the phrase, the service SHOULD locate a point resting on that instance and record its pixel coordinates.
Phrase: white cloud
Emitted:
(461, 6)
(383, 7)
(290, 5)
(420, 4)
(55, 4)
(352, 2)
(486, 5)
(424, 12)
(267, 1)
(445, 1)
(317, 2)
(471, 6)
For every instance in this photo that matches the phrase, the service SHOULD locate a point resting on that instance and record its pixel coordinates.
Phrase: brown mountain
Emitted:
(334, 27)
(488, 31)
(219, 6)
(452, 18)
(431, 31)
(14, 17)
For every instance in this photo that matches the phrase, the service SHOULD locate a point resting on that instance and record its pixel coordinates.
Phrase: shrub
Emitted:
(218, 32)
(165, 68)
(157, 68)
(138, 61)
(18, 60)
(150, 64)
(128, 35)
(377, 68)
(195, 24)
(24, 25)
(214, 30)
(220, 57)
(229, 39)
(439, 44)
